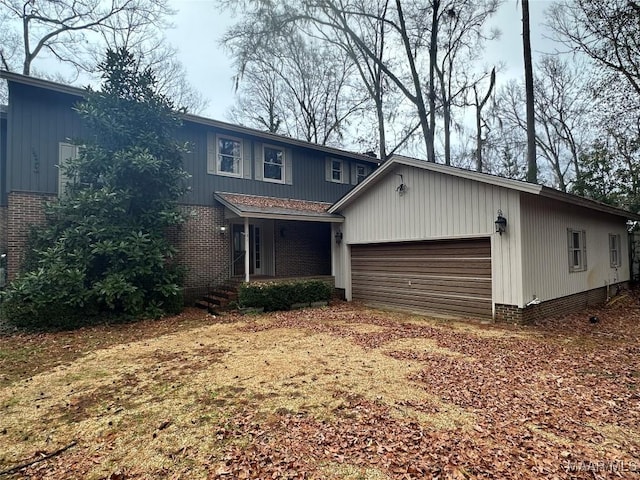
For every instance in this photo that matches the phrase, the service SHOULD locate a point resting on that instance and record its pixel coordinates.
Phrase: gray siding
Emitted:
(40, 119)
(38, 122)
(3, 159)
(307, 168)
(544, 239)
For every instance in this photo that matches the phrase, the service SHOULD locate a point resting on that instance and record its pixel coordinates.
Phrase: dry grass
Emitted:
(165, 404)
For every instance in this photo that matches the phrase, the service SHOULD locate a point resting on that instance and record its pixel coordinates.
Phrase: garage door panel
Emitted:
(480, 287)
(447, 277)
(470, 269)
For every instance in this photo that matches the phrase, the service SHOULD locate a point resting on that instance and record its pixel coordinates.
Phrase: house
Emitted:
(428, 237)
(250, 191)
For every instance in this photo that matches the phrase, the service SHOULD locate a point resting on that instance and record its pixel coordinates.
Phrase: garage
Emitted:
(446, 277)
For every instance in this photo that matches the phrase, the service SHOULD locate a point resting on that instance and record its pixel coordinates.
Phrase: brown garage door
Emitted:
(446, 277)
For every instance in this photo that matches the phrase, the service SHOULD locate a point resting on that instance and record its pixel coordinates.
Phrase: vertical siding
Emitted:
(40, 119)
(545, 249)
(437, 206)
(3, 159)
(306, 171)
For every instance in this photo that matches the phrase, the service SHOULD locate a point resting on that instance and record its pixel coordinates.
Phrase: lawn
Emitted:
(330, 393)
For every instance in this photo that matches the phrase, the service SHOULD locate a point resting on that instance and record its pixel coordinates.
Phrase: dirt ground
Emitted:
(342, 392)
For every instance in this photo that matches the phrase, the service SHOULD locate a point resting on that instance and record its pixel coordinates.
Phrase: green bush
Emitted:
(103, 253)
(280, 296)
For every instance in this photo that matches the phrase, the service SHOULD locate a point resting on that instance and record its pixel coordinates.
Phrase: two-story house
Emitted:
(258, 201)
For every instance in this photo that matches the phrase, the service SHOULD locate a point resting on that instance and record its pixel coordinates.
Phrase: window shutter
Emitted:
(288, 166)
(584, 250)
(354, 174)
(327, 169)
(258, 158)
(66, 151)
(211, 152)
(569, 249)
(247, 157)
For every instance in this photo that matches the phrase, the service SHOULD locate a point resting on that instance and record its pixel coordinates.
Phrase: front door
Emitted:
(255, 250)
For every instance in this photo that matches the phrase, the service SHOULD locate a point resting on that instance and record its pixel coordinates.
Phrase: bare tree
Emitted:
(479, 103)
(305, 88)
(461, 35)
(532, 166)
(607, 31)
(61, 27)
(562, 115)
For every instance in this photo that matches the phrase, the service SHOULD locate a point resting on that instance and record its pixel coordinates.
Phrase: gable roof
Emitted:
(508, 183)
(187, 117)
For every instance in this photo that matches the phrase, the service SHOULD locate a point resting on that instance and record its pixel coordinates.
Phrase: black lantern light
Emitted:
(338, 237)
(501, 223)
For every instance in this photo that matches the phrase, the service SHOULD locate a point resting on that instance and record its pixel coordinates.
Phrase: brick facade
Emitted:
(302, 248)
(24, 211)
(551, 308)
(202, 249)
(4, 223)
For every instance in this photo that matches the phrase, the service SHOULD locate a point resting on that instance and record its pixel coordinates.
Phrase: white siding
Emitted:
(437, 206)
(545, 248)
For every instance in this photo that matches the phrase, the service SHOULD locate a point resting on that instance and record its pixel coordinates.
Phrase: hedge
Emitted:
(281, 296)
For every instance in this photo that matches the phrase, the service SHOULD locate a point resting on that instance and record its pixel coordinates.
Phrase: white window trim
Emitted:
(216, 170)
(582, 248)
(331, 179)
(62, 180)
(367, 169)
(618, 251)
(283, 166)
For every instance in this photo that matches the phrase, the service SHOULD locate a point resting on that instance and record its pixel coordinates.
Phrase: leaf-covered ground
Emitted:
(340, 392)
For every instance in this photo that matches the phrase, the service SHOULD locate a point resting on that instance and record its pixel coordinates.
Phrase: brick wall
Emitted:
(4, 212)
(202, 249)
(551, 308)
(23, 211)
(302, 248)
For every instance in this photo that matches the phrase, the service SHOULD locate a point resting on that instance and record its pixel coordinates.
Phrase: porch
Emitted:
(276, 239)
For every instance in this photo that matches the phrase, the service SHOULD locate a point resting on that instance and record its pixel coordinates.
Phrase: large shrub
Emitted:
(103, 250)
(282, 295)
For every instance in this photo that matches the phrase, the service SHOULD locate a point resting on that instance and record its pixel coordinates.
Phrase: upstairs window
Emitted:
(614, 251)
(337, 171)
(229, 156)
(66, 152)
(577, 250)
(273, 164)
(362, 172)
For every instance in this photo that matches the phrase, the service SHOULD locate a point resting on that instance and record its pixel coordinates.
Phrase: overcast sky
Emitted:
(199, 27)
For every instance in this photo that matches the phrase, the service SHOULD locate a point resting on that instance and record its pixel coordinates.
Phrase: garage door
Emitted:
(445, 277)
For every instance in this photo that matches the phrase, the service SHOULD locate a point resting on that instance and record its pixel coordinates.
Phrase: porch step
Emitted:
(218, 300)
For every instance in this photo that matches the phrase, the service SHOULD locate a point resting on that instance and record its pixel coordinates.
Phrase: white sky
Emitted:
(199, 27)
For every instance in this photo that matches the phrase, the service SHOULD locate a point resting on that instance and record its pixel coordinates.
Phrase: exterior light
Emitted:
(222, 229)
(501, 223)
(338, 237)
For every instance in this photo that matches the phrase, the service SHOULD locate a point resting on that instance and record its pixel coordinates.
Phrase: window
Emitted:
(614, 251)
(336, 171)
(577, 250)
(362, 171)
(273, 165)
(229, 156)
(66, 152)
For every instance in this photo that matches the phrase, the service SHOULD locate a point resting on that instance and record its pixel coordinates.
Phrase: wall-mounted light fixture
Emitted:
(501, 223)
(222, 229)
(402, 188)
(338, 237)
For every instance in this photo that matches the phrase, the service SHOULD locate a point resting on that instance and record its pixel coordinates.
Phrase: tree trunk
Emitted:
(532, 166)
(433, 54)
